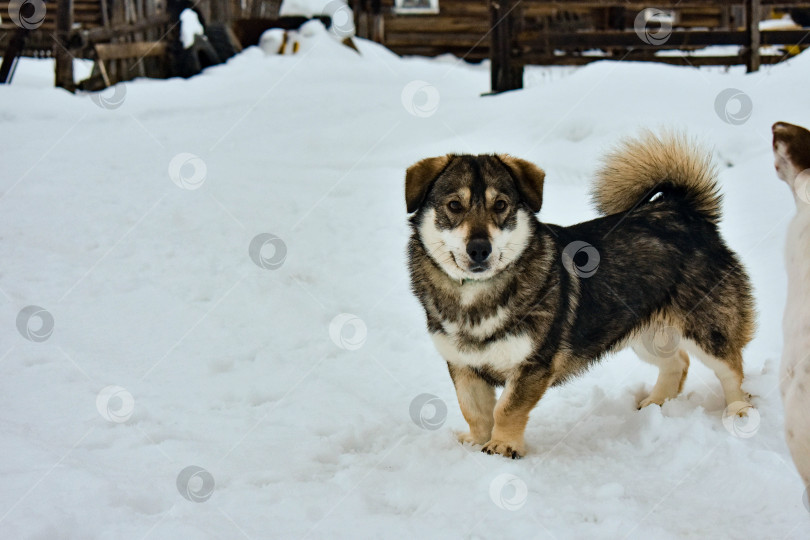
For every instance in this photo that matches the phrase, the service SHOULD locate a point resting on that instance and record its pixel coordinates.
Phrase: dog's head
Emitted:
(791, 152)
(473, 213)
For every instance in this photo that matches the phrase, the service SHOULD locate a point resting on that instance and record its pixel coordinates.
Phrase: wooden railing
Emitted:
(517, 40)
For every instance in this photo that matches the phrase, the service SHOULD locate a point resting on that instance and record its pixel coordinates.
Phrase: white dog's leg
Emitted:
(791, 149)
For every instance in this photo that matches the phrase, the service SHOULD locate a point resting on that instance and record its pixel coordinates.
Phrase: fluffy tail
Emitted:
(634, 169)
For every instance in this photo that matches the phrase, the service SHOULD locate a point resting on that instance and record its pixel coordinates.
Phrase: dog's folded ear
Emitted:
(796, 141)
(419, 177)
(528, 178)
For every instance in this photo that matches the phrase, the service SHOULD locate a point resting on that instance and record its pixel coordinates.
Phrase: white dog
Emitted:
(791, 150)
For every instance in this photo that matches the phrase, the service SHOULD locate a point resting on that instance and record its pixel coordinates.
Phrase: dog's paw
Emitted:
(510, 449)
(651, 400)
(470, 438)
(739, 409)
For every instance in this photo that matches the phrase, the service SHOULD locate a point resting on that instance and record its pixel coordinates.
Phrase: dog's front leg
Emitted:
(520, 395)
(476, 397)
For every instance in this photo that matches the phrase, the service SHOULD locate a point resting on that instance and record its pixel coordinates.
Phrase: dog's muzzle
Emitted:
(478, 250)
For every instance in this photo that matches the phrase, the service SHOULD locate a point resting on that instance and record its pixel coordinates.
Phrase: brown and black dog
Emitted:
(515, 303)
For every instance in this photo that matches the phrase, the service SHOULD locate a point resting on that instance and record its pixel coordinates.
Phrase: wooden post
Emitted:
(363, 19)
(64, 60)
(506, 74)
(10, 56)
(377, 22)
(752, 15)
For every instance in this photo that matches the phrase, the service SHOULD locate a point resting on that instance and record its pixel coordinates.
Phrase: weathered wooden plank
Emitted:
(11, 53)
(677, 39)
(570, 60)
(135, 49)
(752, 16)
(105, 16)
(436, 39)
(430, 24)
(475, 6)
(505, 73)
(64, 60)
(474, 54)
(661, 4)
(96, 35)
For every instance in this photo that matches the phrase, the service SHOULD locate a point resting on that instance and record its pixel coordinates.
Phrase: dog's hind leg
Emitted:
(730, 372)
(659, 348)
(476, 397)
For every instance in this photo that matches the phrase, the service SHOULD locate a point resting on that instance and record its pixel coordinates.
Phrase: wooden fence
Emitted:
(129, 38)
(132, 38)
(514, 33)
(517, 42)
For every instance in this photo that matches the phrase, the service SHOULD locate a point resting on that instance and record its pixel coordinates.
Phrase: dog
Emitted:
(791, 149)
(515, 303)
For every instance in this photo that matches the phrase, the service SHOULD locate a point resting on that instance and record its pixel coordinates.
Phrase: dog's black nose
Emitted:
(479, 249)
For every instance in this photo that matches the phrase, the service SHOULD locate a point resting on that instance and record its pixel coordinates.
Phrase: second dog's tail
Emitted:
(637, 167)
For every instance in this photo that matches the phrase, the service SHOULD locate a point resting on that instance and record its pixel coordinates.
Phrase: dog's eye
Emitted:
(455, 207)
(500, 206)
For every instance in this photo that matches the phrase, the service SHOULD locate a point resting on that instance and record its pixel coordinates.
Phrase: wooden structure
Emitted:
(134, 38)
(514, 33)
(461, 28)
(131, 38)
(126, 38)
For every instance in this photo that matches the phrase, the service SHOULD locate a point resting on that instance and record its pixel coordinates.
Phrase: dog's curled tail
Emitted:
(637, 166)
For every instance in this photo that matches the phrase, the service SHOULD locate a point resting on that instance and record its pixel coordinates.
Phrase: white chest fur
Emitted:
(501, 355)
(482, 329)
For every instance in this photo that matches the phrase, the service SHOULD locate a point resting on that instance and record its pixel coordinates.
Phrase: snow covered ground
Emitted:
(185, 382)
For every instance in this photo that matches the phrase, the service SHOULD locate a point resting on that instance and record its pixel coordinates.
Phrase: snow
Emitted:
(190, 27)
(309, 8)
(235, 351)
(785, 23)
(341, 15)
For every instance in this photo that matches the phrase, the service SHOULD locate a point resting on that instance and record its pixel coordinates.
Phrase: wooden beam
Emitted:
(752, 15)
(136, 49)
(694, 61)
(105, 16)
(95, 35)
(505, 73)
(529, 41)
(11, 54)
(64, 60)
(638, 5)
